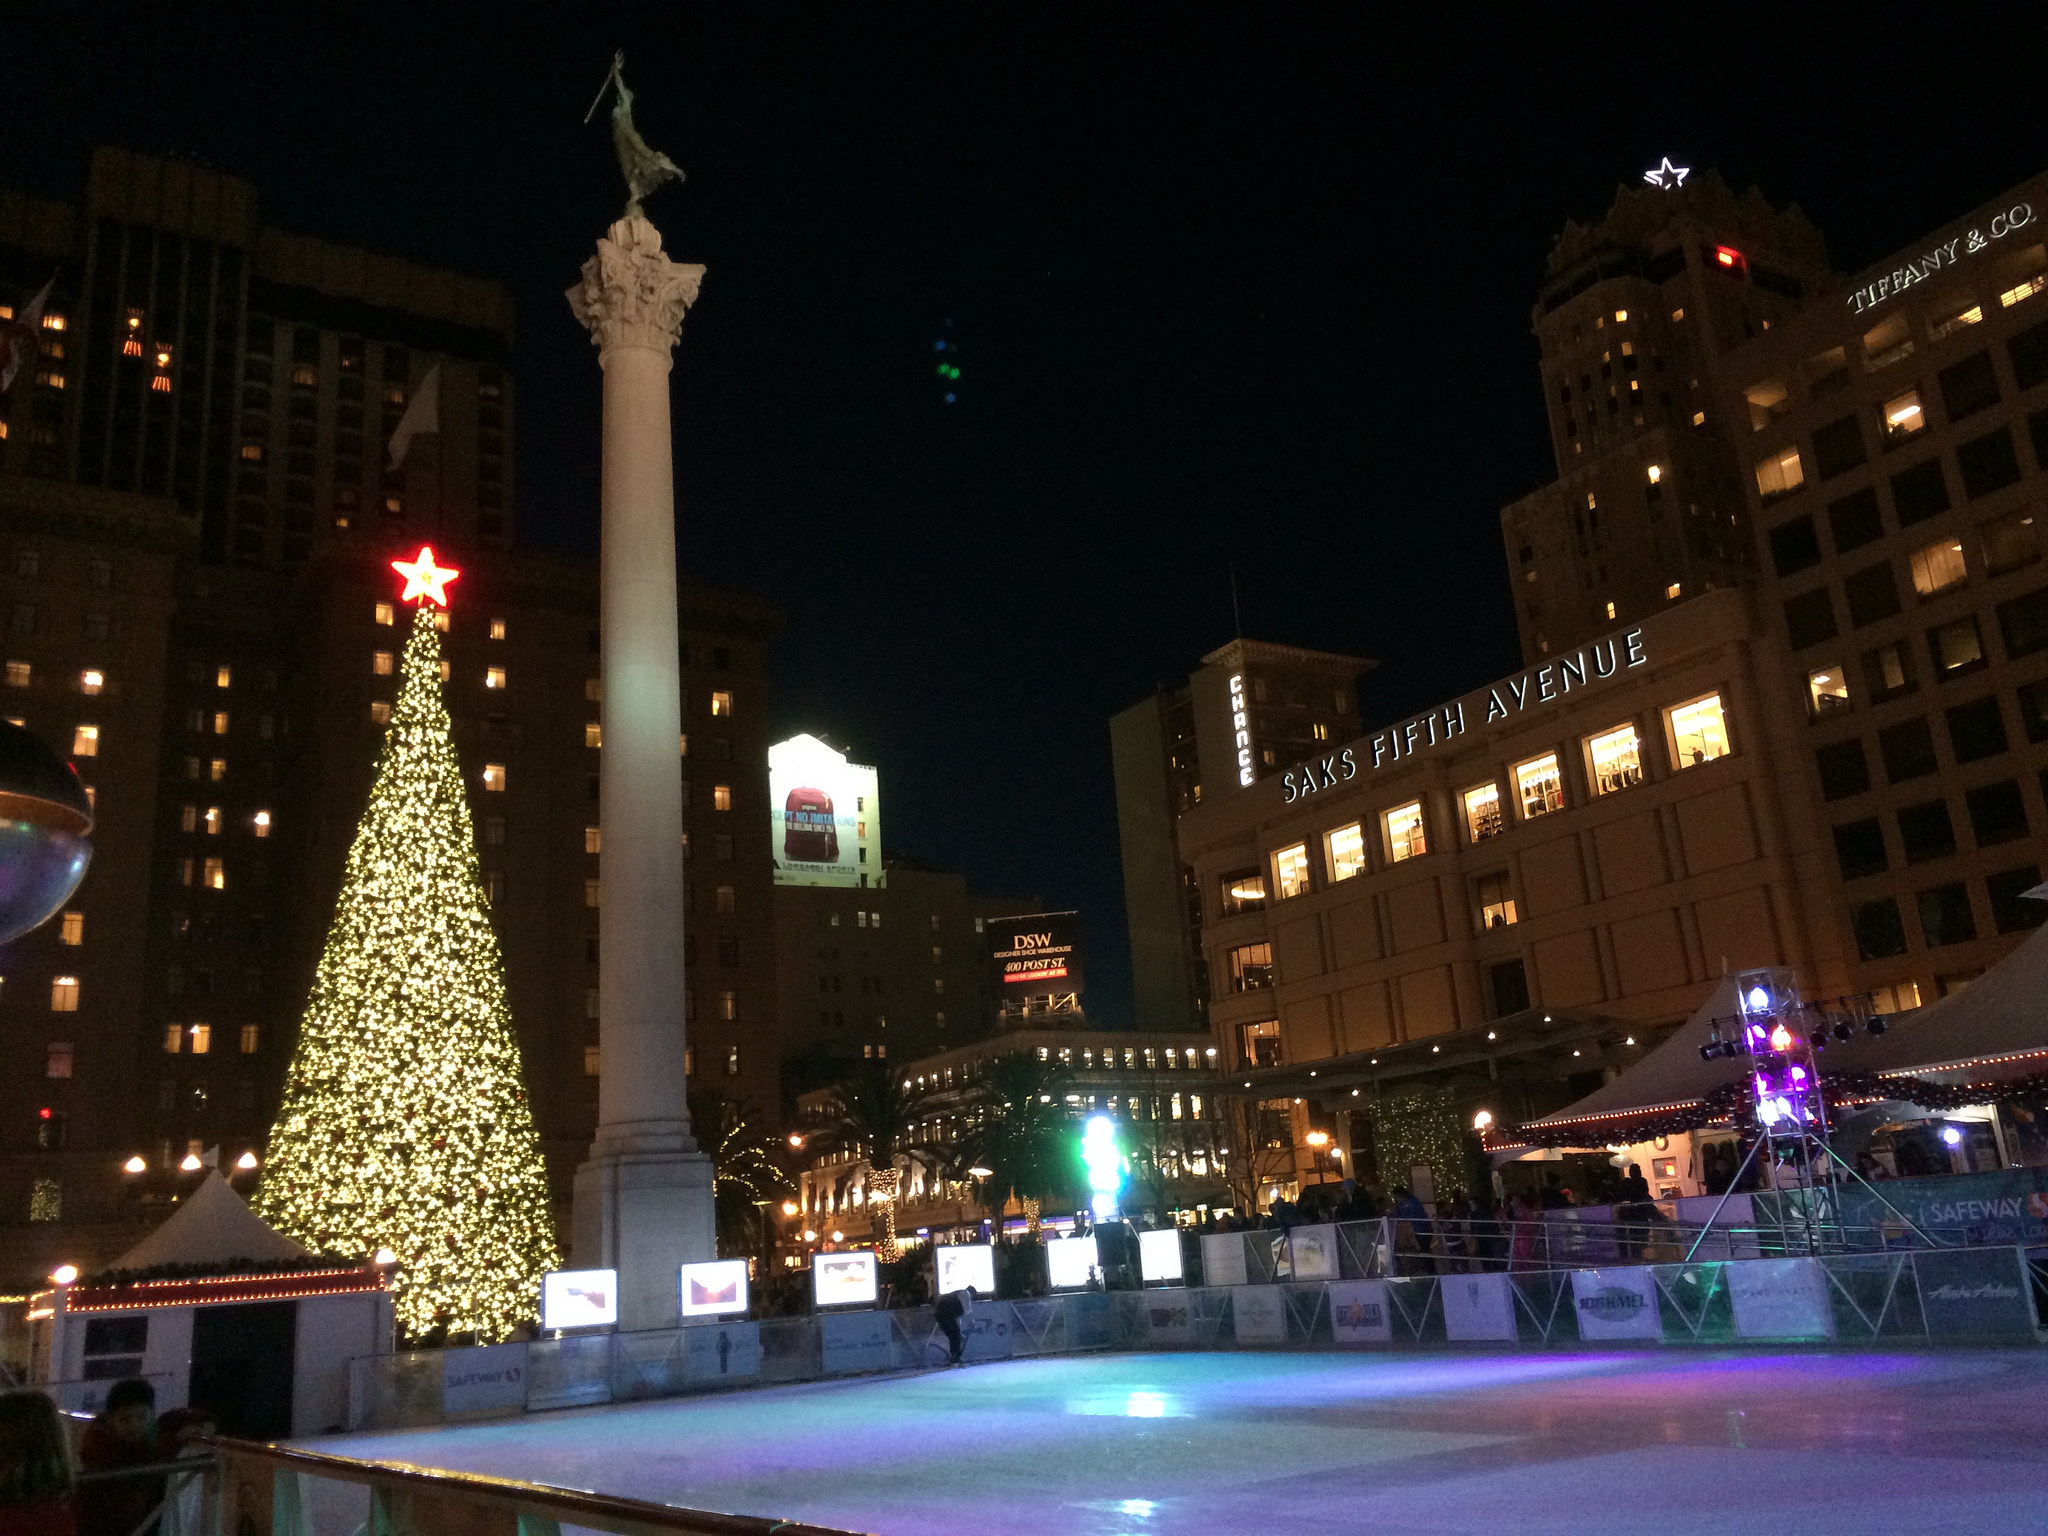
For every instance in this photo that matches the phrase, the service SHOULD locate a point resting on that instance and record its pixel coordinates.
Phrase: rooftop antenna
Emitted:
(1236, 616)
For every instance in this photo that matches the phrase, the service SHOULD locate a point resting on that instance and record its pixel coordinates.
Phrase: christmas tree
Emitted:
(405, 1123)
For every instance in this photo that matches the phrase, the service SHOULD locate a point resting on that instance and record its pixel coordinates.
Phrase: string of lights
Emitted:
(405, 1123)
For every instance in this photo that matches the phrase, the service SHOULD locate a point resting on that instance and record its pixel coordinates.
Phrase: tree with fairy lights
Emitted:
(405, 1123)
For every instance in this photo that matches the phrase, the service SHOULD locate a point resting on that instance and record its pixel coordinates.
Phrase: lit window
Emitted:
(184, 871)
(494, 677)
(593, 734)
(1827, 690)
(251, 1035)
(1496, 906)
(593, 893)
(729, 1005)
(1956, 320)
(1938, 567)
(1610, 608)
(1346, 848)
(1699, 733)
(262, 821)
(593, 689)
(593, 840)
(1320, 730)
(1655, 473)
(1621, 317)
(1616, 758)
(721, 797)
(188, 819)
(1406, 838)
(1243, 891)
(174, 1039)
(1539, 786)
(380, 712)
(19, 674)
(223, 677)
(85, 741)
(1767, 402)
(1957, 645)
(57, 1056)
(683, 744)
(64, 994)
(1903, 416)
(1251, 970)
(1780, 473)
(732, 1059)
(213, 821)
(494, 775)
(214, 876)
(591, 1061)
(384, 613)
(1290, 870)
(1674, 591)
(252, 453)
(2026, 290)
(497, 629)
(91, 680)
(53, 322)
(446, 667)
(218, 769)
(721, 704)
(202, 1039)
(1699, 418)
(1887, 342)
(1482, 811)
(724, 899)
(131, 339)
(220, 722)
(71, 929)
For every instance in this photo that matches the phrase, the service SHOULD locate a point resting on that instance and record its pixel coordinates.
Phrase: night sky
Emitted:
(1237, 285)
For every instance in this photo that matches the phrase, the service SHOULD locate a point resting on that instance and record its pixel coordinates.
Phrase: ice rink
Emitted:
(1246, 1444)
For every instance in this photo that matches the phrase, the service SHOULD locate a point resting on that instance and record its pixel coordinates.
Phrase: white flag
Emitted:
(19, 339)
(422, 415)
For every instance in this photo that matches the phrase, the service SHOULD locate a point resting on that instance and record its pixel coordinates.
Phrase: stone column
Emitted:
(643, 1200)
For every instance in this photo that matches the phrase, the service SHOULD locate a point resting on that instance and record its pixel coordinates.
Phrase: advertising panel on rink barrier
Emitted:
(715, 1288)
(1260, 1313)
(1159, 1257)
(488, 1377)
(856, 1341)
(844, 1279)
(1169, 1317)
(1478, 1307)
(579, 1298)
(1358, 1312)
(1223, 1258)
(959, 1265)
(1616, 1303)
(1072, 1263)
(714, 1352)
(1975, 1293)
(1780, 1299)
(1312, 1252)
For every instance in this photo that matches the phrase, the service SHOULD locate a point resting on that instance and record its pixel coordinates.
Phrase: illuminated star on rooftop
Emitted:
(423, 578)
(1668, 175)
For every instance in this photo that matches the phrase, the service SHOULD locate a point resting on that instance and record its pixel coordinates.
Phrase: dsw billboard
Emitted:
(825, 819)
(1037, 953)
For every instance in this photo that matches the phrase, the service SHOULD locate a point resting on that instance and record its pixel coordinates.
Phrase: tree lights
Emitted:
(405, 1125)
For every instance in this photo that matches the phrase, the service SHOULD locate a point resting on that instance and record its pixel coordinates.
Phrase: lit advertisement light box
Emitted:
(1068, 1261)
(843, 1279)
(715, 1288)
(1159, 1255)
(579, 1298)
(963, 1264)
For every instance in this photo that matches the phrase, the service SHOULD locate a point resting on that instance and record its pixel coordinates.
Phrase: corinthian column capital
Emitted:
(631, 294)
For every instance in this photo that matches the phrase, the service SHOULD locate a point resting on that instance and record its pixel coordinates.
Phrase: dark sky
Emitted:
(1237, 284)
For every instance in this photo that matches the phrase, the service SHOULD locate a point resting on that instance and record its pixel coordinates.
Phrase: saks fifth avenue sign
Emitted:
(1940, 258)
(1504, 701)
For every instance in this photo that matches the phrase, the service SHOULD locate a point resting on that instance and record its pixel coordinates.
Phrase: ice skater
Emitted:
(953, 1308)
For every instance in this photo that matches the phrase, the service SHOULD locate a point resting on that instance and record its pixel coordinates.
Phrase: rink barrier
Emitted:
(1966, 1295)
(272, 1490)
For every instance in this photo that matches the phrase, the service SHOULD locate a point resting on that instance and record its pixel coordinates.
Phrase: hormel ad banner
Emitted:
(1037, 953)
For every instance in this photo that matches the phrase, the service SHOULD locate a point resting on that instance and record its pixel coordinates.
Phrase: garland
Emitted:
(1730, 1104)
(214, 1268)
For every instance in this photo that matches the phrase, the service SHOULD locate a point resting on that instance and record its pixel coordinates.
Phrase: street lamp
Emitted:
(1482, 1120)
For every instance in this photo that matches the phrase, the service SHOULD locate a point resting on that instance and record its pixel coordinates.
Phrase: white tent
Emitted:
(1995, 1028)
(211, 1226)
(1671, 1077)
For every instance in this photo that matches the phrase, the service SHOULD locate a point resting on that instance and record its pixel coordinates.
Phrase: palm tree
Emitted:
(875, 1116)
(1025, 1138)
(746, 1176)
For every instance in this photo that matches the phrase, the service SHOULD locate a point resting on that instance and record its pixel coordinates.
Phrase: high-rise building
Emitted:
(1635, 321)
(1253, 709)
(197, 510)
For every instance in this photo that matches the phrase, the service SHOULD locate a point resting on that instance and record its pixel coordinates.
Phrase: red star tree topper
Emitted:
(425, 580)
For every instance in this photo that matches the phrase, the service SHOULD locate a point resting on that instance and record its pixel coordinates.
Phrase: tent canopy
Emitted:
(211, 1226)
(1669, 1077)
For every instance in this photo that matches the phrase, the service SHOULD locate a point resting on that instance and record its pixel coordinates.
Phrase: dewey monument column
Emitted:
(643, 1200)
